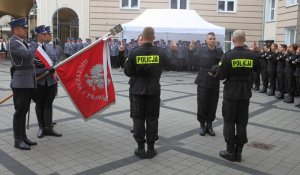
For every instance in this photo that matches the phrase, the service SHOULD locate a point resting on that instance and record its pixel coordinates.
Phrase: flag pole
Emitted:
(114, 31)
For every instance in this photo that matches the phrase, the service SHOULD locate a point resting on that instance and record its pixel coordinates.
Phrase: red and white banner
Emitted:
(43, 57)
(87, 79)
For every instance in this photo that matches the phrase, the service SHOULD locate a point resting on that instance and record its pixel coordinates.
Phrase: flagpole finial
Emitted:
(117, 29)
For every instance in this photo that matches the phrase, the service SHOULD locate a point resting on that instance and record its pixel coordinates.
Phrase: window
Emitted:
(270, 10)
(290, 36)
(130, 4)
(178, 4)
(291, 2)
(227, 5)
(227, 42)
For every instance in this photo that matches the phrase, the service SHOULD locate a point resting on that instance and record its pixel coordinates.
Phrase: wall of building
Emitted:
(47, 8)
(286, 16)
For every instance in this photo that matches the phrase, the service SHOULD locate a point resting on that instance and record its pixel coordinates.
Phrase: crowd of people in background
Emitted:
(279, 70)
(178, 52)
(73, 45)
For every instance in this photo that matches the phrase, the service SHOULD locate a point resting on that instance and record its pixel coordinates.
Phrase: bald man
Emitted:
(236, 67)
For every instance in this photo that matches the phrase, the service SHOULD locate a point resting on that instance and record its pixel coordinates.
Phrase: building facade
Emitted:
(261, 19)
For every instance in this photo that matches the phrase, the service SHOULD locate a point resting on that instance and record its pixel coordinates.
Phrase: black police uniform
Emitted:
(263, 69)
(145, 64)
(297, 76)
(271, 69)
(280, 75)
(236, 67)
(290, 79)
(208, 86)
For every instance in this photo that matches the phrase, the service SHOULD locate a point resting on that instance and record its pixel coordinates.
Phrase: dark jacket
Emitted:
(236, 67)
(145, 64)
(206, 59)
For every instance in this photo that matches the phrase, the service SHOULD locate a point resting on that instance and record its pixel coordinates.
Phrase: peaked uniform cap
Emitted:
(40, 29)
(20, 22)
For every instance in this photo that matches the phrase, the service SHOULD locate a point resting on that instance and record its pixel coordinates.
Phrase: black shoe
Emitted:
(279, 96)
(51, 132)
(30, 142)
(202, 131)
(255, 88)
(22, 145)
(238, 157)
(263, 90)
(271, 93)
(210, 131)
(151, 153)
(227, 155)
(298, 105)
(140, 153)
(40, 133)
(289, 100)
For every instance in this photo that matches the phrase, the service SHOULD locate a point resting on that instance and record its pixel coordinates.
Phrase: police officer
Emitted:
(271, 68)
(67, 47)
(236, 67)
(46, 86)
(208, 86)
(280, 71)
(263, 68)
(145, 65)
(289, 73)
(23, 79)
(297, 74)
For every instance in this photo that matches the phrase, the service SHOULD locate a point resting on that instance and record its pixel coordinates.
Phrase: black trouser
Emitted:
(207, 99)
(44, 97)
(131, 104)
(22, 98)
(264, 77)
(146, 110)
(298, 83)
(281, 82)
(235, 114)
(290, 85)
(256, 78)
(114, 61)
(272, 80)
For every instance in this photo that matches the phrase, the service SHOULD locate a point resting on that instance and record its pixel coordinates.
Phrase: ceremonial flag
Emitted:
(87, 79)
(43, 57)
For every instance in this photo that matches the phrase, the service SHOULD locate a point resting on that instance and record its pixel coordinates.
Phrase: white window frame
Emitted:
(228, 42)
(178, 4)
(290, 3)
(288, 31)
(226, 8)
(270, 10)
(129, 5)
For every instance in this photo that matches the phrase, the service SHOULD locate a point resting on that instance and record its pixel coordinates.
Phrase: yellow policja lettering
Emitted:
(237, 63)
(151, 59)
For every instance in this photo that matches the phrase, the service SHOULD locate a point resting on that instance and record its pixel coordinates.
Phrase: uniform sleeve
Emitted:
(129, 69)
(18, 49)
(223, 70)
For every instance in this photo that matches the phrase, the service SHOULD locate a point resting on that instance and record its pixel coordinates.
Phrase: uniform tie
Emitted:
(44, 48)
(25, 43)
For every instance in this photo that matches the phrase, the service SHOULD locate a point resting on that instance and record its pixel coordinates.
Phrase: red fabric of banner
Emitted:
(83, 77)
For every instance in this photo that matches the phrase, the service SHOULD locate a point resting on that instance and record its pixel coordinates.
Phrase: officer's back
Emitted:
(145, 64)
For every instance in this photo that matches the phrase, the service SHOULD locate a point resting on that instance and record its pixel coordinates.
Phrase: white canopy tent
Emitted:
(173, 24)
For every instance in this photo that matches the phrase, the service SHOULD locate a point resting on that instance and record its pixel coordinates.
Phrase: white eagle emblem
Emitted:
(96, 77)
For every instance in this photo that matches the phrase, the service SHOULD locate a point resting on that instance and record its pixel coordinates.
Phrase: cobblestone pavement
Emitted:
(104, 145)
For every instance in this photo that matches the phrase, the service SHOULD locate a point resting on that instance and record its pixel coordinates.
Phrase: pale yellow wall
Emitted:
(287, 16)
(47, 8)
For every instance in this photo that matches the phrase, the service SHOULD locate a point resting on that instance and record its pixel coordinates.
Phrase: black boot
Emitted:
(202, 129)
(210, 130)
(271, 93)
(238, 152)
(280, 95)
(151, 152)
(289, 100)
(140, 151)
(263, 90)
(229, 153)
